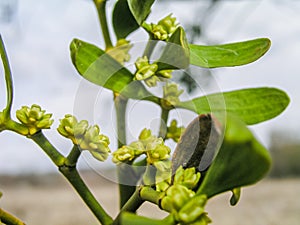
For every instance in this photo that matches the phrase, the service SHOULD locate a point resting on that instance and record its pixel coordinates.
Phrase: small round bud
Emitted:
(123, 154)
(176, 197)
(174, 132)
(171, 95)
(193, 209)
(121, 51)
(187, 177)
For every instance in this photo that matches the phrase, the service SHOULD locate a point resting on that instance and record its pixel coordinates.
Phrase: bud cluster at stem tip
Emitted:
(34, 118)
(121, 51)
(180, 199)
(149, 72)
(163, 29)
(153, 147)
(171, 95)
(85, 136)
(173, 131)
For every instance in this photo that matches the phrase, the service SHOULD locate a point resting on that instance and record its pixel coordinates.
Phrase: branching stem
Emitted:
(8, 80)
(163, 122)
(7, 218)
(101, 9)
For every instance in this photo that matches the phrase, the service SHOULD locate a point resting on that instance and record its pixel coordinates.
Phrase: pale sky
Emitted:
(37, 40)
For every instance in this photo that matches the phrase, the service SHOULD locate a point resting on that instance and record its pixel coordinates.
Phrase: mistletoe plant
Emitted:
(215, 153)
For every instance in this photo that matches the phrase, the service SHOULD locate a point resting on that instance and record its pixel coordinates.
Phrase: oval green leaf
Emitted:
(241, 161)
(123, 21)
(227, 55)
(140, 9)
(101, 69)
(253, 105)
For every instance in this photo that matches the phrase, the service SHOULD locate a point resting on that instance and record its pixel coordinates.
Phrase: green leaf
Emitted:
(123, 21)
(176, 54)
(253, 105)
(140, 9)
(234, 54)
(241, 161)
(101, 69)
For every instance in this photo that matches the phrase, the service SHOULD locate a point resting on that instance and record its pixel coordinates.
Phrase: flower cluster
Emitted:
(148, 144)
(187, 177)
(149, 72)
(121, 51)
(34, 118)
(174, 132)
(180, 199)
(171, 95)
(163, 29)
(85, 136)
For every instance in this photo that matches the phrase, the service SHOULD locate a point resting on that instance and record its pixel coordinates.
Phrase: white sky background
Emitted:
(37, 41)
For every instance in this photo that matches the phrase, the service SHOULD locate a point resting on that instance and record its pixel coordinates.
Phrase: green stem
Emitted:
(15, 127)
(134, 202)
(150, 195)
(120, 105)
(163, 122)
(8, 80)
(67, 166)
(101, 9)
(133, 219)
(124, 173)
(74, 178)
(72, 158)
(57, 158)
(9, 219)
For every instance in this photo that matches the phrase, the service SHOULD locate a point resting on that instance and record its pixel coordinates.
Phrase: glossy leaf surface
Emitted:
(101, 69)
(241, 161)
(140, 9)
(123, 21)
(253, 105)
(227, 55)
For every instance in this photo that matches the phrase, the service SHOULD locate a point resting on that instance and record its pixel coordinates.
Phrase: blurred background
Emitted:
(37, 35)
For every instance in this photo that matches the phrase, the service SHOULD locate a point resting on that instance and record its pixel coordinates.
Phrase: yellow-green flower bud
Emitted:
(70, 128)
(34, 118)
(169, 24)
(95, 143)
(163, 175)
(202, 220)
(152, 81)
(123, 154)
(144, 68)
(163, 29)
(176, 197)
(146, 137)
(120, 51)
(187, 177)
(157, 151)
(171, 95)
(128, 153)
(138, 147)
(159, 32)
(193, 209)
(165, 73)
(174, 132)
